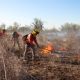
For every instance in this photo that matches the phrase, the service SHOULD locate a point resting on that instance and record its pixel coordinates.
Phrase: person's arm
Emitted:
(35, 40)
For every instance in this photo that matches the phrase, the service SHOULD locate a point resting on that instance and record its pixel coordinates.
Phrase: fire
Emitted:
(46, 50)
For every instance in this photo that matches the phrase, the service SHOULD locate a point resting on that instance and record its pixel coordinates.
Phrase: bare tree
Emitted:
(38, 24)
(2, 26)
(24, 28)
(10, 28)
(15, 25)
(68, 27)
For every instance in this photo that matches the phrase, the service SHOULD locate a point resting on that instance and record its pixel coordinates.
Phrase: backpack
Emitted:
(24, 37)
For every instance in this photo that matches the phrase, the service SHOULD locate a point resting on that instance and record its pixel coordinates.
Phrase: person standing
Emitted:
(15, 37)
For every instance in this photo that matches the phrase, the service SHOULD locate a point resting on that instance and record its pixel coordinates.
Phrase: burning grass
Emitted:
(47, 50)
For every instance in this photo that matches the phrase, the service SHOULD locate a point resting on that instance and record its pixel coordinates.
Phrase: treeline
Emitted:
(67, 27)
(37, 23)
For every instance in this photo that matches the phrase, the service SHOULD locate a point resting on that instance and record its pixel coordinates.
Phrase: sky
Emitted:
(53, 13)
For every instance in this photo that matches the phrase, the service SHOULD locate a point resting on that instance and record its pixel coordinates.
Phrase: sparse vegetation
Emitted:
(62, 64)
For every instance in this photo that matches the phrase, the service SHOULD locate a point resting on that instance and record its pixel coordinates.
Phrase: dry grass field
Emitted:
(54, 63)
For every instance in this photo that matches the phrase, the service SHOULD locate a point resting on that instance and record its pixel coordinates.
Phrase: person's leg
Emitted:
(18, 44)
(25, 50)
(14, 42)
(33, 52)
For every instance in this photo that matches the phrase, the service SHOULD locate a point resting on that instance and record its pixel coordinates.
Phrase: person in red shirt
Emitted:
(31, 41)
(2, 33)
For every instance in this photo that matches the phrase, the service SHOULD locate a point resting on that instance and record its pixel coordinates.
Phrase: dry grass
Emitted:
(53, 67)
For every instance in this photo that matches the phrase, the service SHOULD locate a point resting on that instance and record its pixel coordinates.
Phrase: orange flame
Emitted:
(46, 50)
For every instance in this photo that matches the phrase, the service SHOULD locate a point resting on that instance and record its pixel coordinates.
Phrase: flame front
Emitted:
(46, 50)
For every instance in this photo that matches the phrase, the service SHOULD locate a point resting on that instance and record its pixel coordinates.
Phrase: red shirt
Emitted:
(31, 39)
(1, 34)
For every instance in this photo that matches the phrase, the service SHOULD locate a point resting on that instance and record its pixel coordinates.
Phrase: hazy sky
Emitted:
(51, 12)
